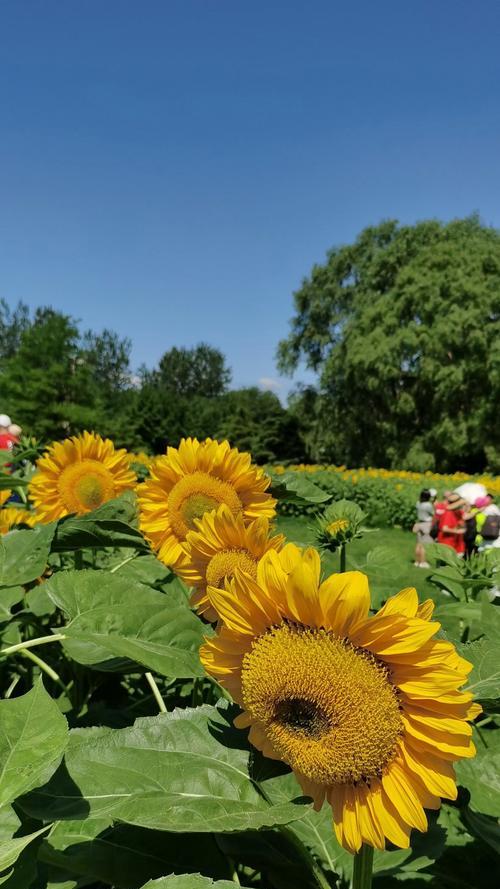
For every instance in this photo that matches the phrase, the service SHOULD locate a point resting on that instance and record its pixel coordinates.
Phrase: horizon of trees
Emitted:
(402, 328)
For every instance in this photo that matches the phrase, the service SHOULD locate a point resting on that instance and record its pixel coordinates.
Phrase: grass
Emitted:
(386, 555)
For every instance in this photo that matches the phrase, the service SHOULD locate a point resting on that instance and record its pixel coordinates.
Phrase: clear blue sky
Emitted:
(173, 168)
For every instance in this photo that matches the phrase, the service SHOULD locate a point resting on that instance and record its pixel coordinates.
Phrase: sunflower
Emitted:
(77, 475)
(222, 543)
(12, 516)
(367, 711)
(191, 480)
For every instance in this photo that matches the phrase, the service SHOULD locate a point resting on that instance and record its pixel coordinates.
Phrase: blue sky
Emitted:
(173, 169)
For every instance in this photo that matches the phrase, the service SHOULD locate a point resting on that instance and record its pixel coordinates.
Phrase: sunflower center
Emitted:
(225, 562)
(196, 494)
(84, 486)
(328, 708)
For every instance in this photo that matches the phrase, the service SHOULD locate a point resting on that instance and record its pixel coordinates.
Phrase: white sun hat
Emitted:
(5, 420)
(470, 491)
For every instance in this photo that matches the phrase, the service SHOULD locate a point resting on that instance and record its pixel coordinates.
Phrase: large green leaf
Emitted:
(10, 850)
(297, 487)
(481, 777)
(484, 681)
(112, 524)
(124, 855)
(483, 826)
(188, 881)
(24, 554)
(33, 736)
(186, 771)
(113, 617)
(9, 596)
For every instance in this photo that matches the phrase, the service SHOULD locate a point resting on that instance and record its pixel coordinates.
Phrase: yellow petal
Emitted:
(345, 601)
(404, 602)
(403, 796)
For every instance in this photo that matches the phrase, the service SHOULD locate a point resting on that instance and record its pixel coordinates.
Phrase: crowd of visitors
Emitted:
(466, 527)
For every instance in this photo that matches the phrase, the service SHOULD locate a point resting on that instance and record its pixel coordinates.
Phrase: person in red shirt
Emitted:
(452, 525)
(7, 440)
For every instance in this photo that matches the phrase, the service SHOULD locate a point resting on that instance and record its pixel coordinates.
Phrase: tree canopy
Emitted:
(403, 329)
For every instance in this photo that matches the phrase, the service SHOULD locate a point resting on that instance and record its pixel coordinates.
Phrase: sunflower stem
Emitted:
(363, 868)
(156, 692)
(30, 643)
(342, 558)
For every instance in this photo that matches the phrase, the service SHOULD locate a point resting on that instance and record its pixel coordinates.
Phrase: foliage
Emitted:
(99, 789)
(199, 371)
(403, 328)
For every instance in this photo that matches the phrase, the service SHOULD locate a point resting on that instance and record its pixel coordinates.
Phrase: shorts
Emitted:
(423, 532)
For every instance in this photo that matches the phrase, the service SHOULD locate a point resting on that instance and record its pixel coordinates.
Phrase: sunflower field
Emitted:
(188, 700)
(387, 496)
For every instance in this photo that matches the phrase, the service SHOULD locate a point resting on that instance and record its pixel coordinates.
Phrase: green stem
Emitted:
(156, 692)
(363, 868)
(31, 643)
(46, 668)
(120, 564)
(342, 558)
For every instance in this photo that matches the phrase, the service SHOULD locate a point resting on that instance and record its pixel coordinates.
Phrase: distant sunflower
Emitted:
(367, 711)
(222, 543)
(12, 516)
(191, 480)
(77, 475)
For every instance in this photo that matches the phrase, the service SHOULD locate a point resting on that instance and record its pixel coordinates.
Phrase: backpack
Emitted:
(435, 527)
(491, 527)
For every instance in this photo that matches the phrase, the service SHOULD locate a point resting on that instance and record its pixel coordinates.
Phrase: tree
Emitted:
(198, 371)
(54, 383)
(256, 421)
(403, 329)
(12, 325)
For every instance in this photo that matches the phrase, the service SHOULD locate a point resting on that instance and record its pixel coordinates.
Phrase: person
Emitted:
(6, 439)
(440, 506)
(451, 524)
(15, 431)
(422, 527)
(487, 523)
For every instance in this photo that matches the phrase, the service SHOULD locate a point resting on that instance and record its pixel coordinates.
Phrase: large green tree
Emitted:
(201, 370)
(403, 328)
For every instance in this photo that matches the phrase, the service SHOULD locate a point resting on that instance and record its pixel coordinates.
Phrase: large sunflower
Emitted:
(191, 480)
(77, 475)
(222, 543)
(367, 711)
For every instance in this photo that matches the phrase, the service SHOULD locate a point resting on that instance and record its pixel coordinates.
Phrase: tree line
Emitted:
(56, 380)
(402, 329)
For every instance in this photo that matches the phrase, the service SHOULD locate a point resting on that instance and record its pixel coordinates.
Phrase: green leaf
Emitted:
(85, 531)
(439, 552)
(24, 554)
(113, 617)
(8, 481)
(188, 881)
(109, 525)
(483, 826)
(484, 681)
(490, 618)
(296, 487)
(125, 856)
(481, 777)
(185, 771)
(9, 596)
(10, 850)
(33, 736)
